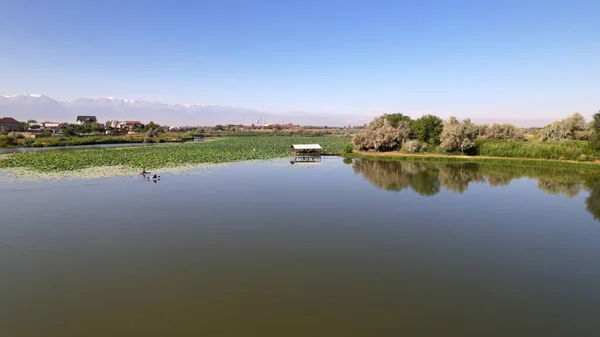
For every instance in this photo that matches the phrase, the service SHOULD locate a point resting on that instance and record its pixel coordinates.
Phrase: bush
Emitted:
(68, 131)
(378, 135)
(457, 136)
(427, 129)
(404, 132)
(46, 133)
(382, 135)
(503, 132)
(567, 129)
(8, 140)
(347, 148)
(595, 127)
(15, 135)
(414, 146)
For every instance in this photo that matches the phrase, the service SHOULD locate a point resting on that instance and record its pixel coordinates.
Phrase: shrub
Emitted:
(15, 135)
(404, 132)
(46, 133)
(68, 131)
(502, 132)
(151, 136)
(567, 129)
(428, 129)
(8, 140)
(347, 148)
(379, 135)
(382, 135)
(385, 138)
(595, 127)
(414, 146)
(457, 136)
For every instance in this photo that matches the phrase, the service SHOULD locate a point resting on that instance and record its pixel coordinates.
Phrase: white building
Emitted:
(49, 125)
(115, 124)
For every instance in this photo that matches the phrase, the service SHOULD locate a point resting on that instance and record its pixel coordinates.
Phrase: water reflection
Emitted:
(428, 178)
(592, 202)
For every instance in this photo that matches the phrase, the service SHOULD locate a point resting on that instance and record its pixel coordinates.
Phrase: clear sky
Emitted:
(482, 59)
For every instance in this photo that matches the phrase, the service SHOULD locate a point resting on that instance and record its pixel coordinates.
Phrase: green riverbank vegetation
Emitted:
(95, 133)
(568, 139)
(170, 155)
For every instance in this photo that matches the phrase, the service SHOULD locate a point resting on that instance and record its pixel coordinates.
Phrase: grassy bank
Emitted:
(567, 150)
(502, 151)
(153, 157)
(448, 158)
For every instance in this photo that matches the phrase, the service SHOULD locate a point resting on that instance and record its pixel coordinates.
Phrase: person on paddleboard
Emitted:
(143, 170)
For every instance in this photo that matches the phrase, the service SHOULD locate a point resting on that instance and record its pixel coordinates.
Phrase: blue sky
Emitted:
(484, 59)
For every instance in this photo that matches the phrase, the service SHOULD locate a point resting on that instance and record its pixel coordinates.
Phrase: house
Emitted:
(50, 125)
(10, 124)
(116, 124)
(130, 125)
(86, 120)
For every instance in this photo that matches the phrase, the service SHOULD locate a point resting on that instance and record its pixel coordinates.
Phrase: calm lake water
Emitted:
(335, 249)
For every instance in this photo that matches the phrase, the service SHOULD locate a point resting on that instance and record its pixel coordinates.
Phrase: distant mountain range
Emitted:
(44, 108)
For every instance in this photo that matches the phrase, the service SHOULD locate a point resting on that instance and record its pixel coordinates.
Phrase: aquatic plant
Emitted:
(152, 157)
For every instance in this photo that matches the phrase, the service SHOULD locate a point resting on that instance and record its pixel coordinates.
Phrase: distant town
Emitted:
(90, 124)
(84, 130)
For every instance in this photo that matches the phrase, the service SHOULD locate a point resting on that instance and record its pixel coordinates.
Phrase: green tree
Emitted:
(595, 141)
(396, 118)
(150, 126)
(68, 131)
(97, 126)
(32, 121)
(46, 133)
(428, 129)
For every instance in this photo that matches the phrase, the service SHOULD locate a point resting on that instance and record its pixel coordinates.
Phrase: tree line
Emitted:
(399, 132)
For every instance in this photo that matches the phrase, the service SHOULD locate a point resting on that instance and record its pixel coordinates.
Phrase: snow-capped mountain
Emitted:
(44, 108)
(36, 106)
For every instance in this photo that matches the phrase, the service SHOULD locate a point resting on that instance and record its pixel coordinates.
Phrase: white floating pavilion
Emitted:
(306, 150)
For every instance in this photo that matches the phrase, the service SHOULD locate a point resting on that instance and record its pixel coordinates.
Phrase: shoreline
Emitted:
(399, 156)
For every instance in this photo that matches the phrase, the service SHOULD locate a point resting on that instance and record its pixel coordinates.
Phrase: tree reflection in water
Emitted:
(427, 178)
(592, 202)
(397, 176)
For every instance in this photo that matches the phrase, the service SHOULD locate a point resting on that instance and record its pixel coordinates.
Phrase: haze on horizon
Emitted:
(527, 62)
